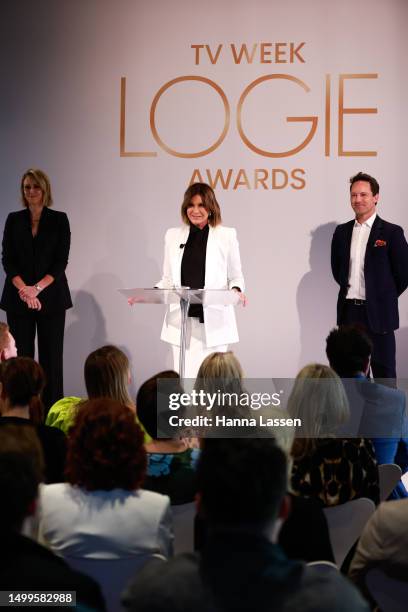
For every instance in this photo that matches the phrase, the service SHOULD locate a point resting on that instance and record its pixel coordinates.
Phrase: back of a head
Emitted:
(348, 349)
(22, 379)
(147, 400)
(241, 481)
(318, 398)
(21, 471)
(105, 447)
(220, 372)
(106, 374)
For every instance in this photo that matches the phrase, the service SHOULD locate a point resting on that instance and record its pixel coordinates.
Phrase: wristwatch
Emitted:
(38, 287)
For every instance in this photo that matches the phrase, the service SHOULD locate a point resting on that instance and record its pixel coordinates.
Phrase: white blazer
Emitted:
(222, 271)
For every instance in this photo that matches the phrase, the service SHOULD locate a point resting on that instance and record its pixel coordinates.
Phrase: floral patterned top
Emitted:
(338, 471)
(173, 474)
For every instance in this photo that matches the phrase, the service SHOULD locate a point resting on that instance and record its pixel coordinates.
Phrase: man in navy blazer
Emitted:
(369, 258)
(376, 411)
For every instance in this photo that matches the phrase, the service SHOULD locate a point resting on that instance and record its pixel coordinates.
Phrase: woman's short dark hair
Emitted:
(105, 447)
(209, 200)
(22, 379)
(146, 399)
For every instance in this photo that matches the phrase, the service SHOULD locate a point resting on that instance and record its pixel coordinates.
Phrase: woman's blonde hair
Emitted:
(42, 181)
(318, 398)
(107, 373)
(221, 372)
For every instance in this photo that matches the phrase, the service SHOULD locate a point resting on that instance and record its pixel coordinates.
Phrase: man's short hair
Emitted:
(4, 336)
(362, 176)
(348, 349)
(21, 471)
(241, 481)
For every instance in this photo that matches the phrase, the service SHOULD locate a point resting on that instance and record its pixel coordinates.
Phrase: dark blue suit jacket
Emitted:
(385, 271)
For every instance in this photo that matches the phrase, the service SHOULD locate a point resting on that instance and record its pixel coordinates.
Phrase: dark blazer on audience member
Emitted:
(53, 442)
(33, 259)
(27, 566)
(239, 572)
(385, 272)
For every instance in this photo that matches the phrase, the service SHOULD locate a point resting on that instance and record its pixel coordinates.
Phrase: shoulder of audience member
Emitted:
(328, 590)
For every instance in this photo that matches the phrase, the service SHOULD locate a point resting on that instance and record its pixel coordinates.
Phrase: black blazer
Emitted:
(33, 258)
(385, 271)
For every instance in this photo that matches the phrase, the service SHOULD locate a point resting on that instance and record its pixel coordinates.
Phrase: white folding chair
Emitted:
(346, 522)
(183, 525)
(391, 595)
(112, 575)
(389, 476)
(404, 479)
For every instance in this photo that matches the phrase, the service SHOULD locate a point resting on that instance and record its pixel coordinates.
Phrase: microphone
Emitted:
(182, 246)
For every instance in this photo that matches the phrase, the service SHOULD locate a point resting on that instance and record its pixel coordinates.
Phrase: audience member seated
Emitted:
(22, 381)
(107, 374)
(101, 512)
(7, 343)
(334, 470)
(241, 568)
(170, 462)
(305, 533)
(24, 564)
(383, 543)
(377, 411)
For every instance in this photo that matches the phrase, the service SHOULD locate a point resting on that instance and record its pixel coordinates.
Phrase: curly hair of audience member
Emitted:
(105, 448)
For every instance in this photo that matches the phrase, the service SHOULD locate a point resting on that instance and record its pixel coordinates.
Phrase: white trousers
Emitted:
(196, 349)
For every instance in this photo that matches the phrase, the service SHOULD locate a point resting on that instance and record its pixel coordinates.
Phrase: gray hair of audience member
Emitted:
(318, 398)
(21, 471)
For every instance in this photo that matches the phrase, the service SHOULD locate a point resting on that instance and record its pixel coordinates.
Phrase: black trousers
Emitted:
(383, 363)
(50, 338)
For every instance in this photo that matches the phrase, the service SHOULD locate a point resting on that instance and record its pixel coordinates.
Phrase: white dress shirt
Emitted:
(359, 239)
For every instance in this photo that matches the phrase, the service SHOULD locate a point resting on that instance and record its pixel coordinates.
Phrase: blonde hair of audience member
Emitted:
(222, 373)
(220, 367)
(107, 374)
(283, 435)
(318, 398)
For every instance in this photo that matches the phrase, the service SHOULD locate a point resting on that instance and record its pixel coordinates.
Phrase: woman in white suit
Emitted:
(201, 254)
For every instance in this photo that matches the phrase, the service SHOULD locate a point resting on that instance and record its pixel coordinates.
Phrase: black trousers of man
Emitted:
(383, 363)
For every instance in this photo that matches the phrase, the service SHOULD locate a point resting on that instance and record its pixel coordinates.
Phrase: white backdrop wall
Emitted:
(62, 62)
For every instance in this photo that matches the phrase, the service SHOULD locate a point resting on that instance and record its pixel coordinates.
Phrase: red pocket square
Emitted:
(380, 243)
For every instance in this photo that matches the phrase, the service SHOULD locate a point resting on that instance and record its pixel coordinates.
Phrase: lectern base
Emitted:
(196, 349)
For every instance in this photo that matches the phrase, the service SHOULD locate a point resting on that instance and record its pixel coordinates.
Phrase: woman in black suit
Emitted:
(36, 245)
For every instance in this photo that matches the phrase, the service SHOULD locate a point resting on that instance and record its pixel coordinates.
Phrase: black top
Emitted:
(193, 265)
(305, 533)
(33, 258)
(53, 442)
